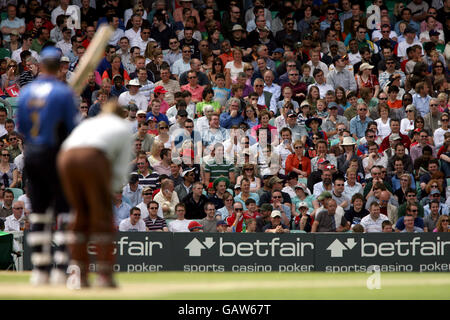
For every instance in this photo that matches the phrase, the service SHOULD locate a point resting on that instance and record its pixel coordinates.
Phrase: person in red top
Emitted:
(395, 128)
(365, 78)
(227, 53)
(252, 209)
(297, 162)
(236, 220)
(264, 117)
(90, 32)
(116, 62)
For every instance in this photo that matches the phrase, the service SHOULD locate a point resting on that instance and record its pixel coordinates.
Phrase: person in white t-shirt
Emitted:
(133, 222)
(373, 221)
(180, 224)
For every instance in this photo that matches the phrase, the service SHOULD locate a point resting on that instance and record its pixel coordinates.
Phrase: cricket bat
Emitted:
(91, 58)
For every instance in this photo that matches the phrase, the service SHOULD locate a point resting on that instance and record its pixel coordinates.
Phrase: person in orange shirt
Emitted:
(297, 162)
(393, 102)
(116, 68)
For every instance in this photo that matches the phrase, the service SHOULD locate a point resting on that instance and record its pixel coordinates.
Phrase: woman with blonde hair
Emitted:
(155, 152)
(11, 75)
(405, 185)
(163, 134)
(149, 51)
(233, 67)
(249, 70)
(138, 9)
(442, 224)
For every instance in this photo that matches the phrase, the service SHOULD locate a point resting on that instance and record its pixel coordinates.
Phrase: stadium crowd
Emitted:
(253, 116)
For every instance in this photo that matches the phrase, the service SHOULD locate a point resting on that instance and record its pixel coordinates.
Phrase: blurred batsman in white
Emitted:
(94, 163)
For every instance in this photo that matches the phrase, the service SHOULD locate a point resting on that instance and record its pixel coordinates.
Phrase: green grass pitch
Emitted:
(243, 286)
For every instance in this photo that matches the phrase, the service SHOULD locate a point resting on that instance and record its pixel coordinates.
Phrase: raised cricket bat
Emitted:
(91, 58)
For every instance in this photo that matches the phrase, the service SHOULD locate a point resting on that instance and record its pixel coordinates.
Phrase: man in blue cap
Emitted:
(47, 114)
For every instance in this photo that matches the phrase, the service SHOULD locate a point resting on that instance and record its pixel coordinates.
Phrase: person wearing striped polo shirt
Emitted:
(219, 167)
(147, 177)
(153, 222)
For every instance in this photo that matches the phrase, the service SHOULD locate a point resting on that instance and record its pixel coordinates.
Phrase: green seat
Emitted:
(298, 231)
(17, 192)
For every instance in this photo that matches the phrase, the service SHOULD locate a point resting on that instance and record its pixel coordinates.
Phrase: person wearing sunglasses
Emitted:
(434, 197)
(133, 222)
(154, 222)
(412, 211)
(442, 225)
(13, 221)
(439, 134)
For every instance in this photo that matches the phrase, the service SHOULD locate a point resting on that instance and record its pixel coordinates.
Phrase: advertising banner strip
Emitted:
(261, 252)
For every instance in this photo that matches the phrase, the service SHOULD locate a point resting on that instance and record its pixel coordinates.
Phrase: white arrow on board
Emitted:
(208, 242)
(350, 243)
(337, 249)
(195, 248)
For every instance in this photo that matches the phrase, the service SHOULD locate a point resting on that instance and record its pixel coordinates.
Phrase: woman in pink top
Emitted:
(442, 224)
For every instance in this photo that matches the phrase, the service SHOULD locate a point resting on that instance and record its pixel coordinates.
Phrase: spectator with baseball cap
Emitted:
(222, 226)
(303, 221)
(194, 226)
(275, 225)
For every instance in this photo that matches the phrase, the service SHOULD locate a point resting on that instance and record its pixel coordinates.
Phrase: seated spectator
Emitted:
(329, 220)
(209, 222)
(153, 222)
(275, 225)
(133, 222)
(442, 225)
(167, 199)
(180, 224)
(373, 221)
(409, 225)
(357, 211)
(412, 210)
(14, 222)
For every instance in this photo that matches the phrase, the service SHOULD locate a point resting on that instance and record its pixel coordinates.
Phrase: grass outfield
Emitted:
(240, 286)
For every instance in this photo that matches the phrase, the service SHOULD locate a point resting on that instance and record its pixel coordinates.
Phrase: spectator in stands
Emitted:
(276, 226)
(209, 222)
(133, 191)
(180, 224)
(413, 211)
(442, 225)
(195, 202)
(134, 222)
(14, 221)
(357, 210)
(153, 222)
(327, 220)
(373, 222)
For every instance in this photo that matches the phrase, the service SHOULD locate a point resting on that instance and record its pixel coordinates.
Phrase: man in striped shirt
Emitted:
(153, 222)
(146, 176)
(219, 167)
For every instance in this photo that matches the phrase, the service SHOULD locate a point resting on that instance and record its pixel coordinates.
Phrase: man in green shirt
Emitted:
(218, 166)
(43, 35)
(411, 198)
